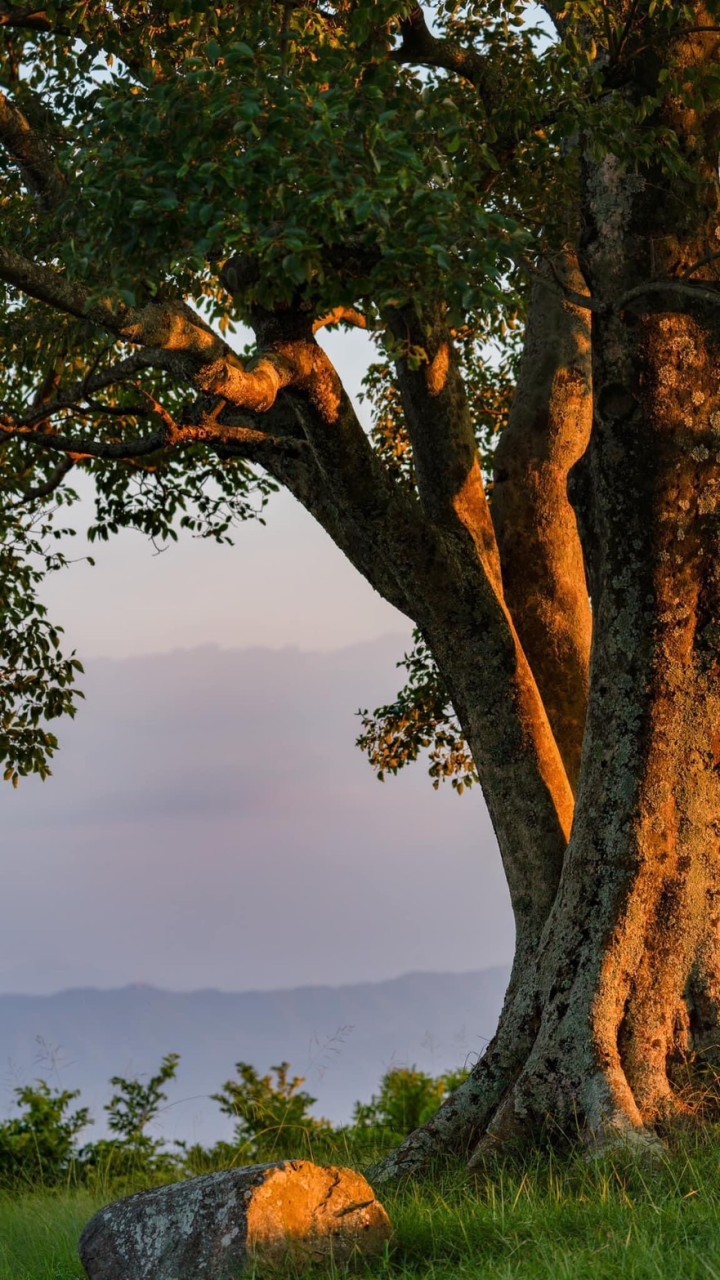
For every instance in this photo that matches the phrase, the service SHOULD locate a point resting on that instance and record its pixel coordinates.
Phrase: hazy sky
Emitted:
(281, 583)
(210, 822)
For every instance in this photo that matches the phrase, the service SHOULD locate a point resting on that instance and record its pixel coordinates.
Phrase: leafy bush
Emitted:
(271, 1113)
(135, 1105)
(407, 1099)
(39, 1145)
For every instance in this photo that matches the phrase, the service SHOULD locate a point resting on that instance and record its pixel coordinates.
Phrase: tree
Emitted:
(455, 179)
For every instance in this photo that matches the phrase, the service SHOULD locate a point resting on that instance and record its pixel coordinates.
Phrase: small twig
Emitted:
(172, 430)
(120, 372)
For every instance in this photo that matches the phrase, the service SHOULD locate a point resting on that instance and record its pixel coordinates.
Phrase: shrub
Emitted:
(407, 1099)
(271, 1113)
(39, 1145)
(132, 1108)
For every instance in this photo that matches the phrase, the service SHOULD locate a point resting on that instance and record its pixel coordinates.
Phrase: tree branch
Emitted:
(173, 326)
(241, 439)
(447, 464)
(502, 714)
(683, 287)
(188, 344)
(341, 315)
(419, 45)
(53, 482)
(29, 150)
(31, 19)
(44, 407)
(82, 446)
(542, 563)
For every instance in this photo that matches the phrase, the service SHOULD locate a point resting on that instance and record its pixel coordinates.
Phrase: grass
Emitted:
(546, 1218)
(39, 1234)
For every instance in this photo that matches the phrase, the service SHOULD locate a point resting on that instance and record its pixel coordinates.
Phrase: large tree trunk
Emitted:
(625, 986)
(626, 982)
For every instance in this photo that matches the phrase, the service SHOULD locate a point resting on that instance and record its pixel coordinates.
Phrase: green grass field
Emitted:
(549, 1219)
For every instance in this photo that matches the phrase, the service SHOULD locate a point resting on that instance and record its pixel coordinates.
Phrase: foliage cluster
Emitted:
(43, 1145)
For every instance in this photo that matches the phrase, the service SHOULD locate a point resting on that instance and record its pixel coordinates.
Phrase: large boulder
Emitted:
(210, 1228)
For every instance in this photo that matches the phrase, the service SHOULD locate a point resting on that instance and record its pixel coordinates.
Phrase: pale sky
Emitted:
(209, 822)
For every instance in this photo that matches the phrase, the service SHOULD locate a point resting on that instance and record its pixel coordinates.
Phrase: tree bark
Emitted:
(625, 983)
(467, 624)
(543, 571)
(626, 980)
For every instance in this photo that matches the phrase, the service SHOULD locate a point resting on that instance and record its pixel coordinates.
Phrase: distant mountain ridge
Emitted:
(342, 1039)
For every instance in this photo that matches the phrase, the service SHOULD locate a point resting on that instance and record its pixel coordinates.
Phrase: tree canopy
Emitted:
(340, 161)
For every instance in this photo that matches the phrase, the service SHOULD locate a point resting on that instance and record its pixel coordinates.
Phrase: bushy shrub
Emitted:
(132, 1151)
(407, 1099)
(271, 1113)
(40, 1145)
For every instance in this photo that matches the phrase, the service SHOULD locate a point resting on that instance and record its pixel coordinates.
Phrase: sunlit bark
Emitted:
(625, 986)
(474, 639)
(542, 563)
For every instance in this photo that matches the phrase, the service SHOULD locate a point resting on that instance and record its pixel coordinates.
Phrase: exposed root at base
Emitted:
(627, 1140)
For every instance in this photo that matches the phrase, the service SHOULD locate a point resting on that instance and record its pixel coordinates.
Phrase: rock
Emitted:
(210, 1228)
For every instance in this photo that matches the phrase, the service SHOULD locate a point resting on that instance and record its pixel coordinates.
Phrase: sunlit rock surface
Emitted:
(209, 1228)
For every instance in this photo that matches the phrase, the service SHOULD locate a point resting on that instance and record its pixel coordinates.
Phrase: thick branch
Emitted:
(193, 350)
(342, 315)
(476, 645)
(419, 45)
(173, 326)
(542, 563)
(447, 466)
(30, 152)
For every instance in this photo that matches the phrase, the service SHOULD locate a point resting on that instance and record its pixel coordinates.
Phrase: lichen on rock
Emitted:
(211, 1228)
